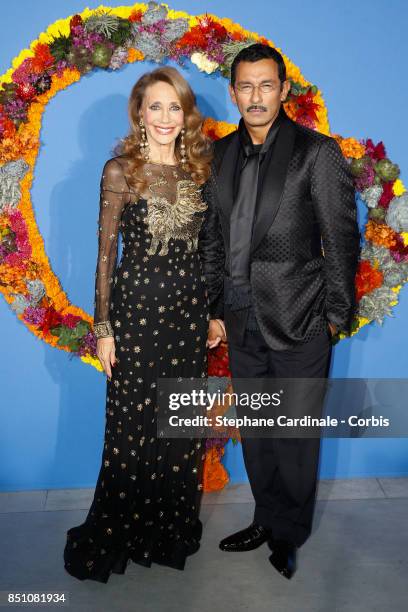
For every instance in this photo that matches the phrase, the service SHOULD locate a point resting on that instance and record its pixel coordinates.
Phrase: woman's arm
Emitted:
(114, 193)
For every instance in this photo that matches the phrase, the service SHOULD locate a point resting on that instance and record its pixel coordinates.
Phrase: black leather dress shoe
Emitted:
(283, 557)
(247, 539)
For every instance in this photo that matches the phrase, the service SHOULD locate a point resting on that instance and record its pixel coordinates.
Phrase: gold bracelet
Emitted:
(103, 329)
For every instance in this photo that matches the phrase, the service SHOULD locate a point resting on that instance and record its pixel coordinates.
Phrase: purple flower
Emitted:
(399, 257)
(34, 315)
(24, 73)
(16, 109)
(366, 179)
(159, 27)
(214, 51)
(82, 38)
(88, 345)
(60, 67)
(119, 57)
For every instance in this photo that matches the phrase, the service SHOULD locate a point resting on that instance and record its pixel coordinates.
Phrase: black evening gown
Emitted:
(147, 498)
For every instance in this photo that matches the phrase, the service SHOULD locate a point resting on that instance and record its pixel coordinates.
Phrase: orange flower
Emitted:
(215, 476)
(134, 55)
(368, 278)
(42, 59)
(380, 234)
(24, 143)
(291, 109)
(8, 126)
(12, 281)
(350, 147)
(136, 15)
(78, 312)
(217, 129)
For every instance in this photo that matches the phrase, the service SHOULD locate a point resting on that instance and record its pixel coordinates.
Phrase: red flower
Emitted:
(199, 36)
(26, 91)
(307, 122)
(306, 106)
(194, 38)
(212, 28)
(212, 134)
(70, 320)
(76, 20)
(237, 36)
(218, 364)
(376, 152)
(367, 279)
(387, 194)
(136, 16)
(7, 127)
(398, 250)
(43, 58)
(52, 319)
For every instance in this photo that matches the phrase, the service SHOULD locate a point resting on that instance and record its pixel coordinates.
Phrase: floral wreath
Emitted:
(109, 38)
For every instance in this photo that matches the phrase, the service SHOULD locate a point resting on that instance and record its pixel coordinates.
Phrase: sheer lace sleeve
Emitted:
(114, 194)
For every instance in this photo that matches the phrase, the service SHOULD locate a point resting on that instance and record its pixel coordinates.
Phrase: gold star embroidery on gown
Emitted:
(147, 496)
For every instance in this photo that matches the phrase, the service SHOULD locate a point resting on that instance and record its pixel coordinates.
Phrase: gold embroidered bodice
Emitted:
(152, 224)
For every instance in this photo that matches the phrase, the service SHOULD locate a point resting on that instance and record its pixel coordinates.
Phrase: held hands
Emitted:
(216, 333)
(105, 351)
(105, 348)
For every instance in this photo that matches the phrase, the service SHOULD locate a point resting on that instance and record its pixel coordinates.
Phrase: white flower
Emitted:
(203, 63)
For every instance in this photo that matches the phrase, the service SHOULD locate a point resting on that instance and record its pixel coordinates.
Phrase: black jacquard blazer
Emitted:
(305, 243)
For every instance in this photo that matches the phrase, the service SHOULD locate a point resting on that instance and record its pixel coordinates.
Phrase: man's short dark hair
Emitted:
(257, 52)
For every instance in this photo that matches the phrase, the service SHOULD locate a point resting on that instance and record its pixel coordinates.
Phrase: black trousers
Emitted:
(282, 472)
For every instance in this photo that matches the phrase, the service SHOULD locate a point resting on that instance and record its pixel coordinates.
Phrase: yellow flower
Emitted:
(176, 14)
(24, 54)
(6, 78)
(25, 143)
(61, 26)
(94, 361)
(125, 11)
(398, 187)
(86, 13)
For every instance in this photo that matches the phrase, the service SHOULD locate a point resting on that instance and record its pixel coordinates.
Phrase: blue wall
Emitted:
(52, 409)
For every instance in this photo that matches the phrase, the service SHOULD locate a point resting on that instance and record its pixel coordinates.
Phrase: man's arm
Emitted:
(333, 196)
(212, 253)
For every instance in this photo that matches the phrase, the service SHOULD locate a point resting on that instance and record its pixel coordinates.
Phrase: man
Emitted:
(279, 248)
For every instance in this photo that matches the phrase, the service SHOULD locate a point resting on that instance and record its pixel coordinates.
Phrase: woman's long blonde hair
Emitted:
(198, 146)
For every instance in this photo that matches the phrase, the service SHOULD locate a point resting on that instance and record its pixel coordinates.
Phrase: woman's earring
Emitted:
(183, 147)
(144, 145)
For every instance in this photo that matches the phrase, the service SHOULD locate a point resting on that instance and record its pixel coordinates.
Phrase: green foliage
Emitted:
(230, 50)
(123, 33)
(103, 23)
(71, 337)
(60, 47)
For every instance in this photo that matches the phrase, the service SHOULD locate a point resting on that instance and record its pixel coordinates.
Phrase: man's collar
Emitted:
(245, 138)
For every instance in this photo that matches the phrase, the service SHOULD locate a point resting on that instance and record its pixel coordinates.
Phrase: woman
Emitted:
(151, 321)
